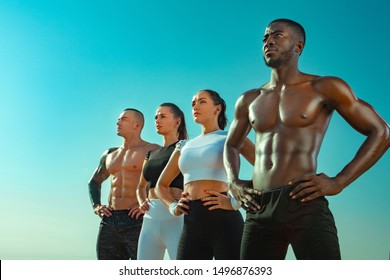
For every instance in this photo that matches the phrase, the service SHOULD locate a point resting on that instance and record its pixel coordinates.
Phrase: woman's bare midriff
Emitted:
(175, 192)
(196, 189)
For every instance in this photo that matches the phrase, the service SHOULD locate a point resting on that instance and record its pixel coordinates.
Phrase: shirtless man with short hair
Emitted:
(121, 219)
(290, 115)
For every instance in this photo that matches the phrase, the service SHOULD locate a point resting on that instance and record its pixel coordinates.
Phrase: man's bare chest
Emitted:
(289, 108)
(125, 160)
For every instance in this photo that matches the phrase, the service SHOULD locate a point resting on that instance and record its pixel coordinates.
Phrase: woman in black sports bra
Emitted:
(160, 230)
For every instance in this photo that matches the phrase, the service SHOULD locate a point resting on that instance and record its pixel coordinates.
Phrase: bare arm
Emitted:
(236, 141)
(169, 173)
(95, 184)
(142, 205)
(238, 131)
(364, 119)
(247, 150)
(142, 192)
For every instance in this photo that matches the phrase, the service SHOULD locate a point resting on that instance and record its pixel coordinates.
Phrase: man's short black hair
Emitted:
(295, 26)
(138, 114)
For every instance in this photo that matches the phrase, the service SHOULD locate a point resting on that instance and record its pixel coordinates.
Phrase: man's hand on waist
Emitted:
(102, 210)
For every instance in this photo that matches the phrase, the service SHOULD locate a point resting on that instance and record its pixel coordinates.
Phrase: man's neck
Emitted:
(131, 141)
(284, 76)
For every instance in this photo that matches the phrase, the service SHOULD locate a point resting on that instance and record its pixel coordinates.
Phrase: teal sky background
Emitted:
(69, 68)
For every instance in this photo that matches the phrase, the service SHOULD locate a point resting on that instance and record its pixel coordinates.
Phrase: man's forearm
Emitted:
(369, 153)
(94, 192)
(231, 158)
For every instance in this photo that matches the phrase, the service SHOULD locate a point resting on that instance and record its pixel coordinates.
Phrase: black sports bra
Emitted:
(156, 162)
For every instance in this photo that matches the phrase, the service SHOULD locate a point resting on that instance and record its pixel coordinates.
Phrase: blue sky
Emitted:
(68, 69)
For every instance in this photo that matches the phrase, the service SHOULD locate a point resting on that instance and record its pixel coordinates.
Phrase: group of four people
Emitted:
(153, 187)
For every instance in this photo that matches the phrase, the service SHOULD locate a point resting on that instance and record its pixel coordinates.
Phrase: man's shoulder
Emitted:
(252, 92)
(329, 85)
(248, 96)
(109, 151)
(326, 80)
(106, 153)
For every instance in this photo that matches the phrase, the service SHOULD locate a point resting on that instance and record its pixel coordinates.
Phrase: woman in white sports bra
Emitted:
(212, 224)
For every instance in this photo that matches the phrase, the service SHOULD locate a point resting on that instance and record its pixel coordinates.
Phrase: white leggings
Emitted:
(160, 230)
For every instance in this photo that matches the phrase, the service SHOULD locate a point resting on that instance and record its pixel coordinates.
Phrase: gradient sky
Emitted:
(69, 68)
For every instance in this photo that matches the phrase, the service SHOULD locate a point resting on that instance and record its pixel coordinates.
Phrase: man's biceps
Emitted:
(236, 138)
(362, 118)
(100, 176)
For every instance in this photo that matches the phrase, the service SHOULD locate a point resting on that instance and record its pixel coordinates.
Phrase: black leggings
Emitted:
(308, 226)
(210, 234)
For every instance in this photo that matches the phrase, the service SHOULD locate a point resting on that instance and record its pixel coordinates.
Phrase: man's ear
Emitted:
(299, 47)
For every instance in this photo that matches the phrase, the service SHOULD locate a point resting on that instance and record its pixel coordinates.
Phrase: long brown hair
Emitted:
(222, 119)
(182, 130)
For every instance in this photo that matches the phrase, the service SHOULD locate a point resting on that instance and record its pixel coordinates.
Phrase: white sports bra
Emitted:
(201, 158)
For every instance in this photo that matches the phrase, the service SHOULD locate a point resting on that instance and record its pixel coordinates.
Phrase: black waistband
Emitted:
(224, 193)
(120, 212)
(278, 188)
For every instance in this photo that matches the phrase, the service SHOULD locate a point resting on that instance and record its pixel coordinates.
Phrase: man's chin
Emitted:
(272, 63)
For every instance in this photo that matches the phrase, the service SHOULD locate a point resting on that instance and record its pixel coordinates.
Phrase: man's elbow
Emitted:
(386, 135)
(232, 145)
(383, 133)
